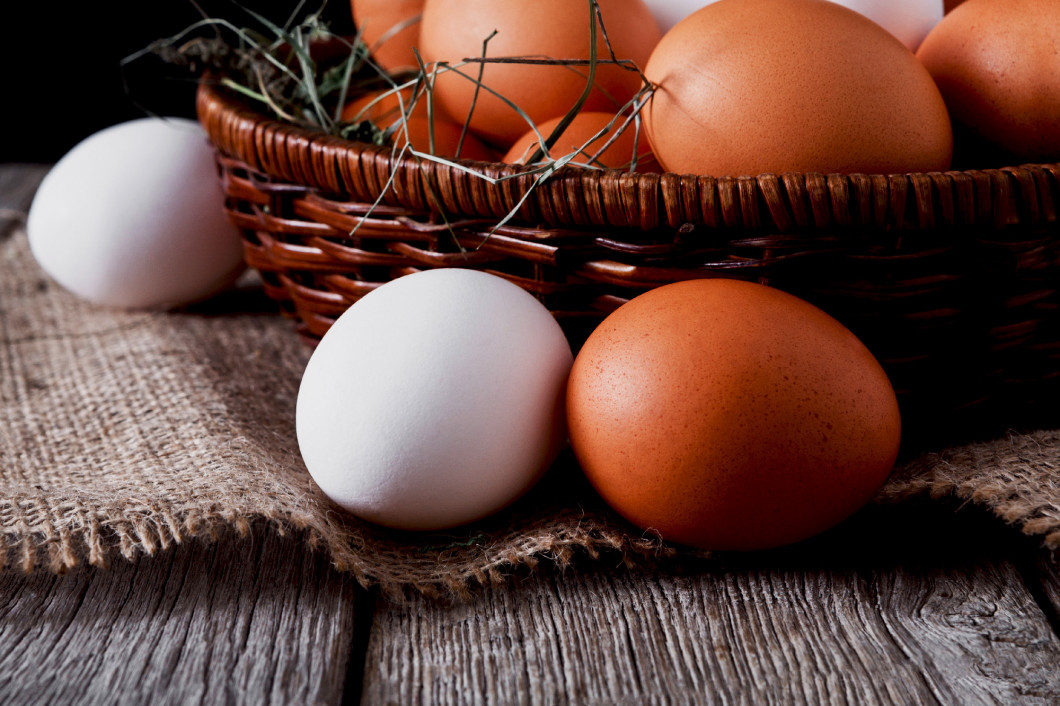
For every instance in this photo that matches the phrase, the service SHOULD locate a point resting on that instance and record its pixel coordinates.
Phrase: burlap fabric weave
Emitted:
(123, 433)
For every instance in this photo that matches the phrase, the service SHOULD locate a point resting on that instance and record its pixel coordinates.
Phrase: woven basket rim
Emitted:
(300, 156)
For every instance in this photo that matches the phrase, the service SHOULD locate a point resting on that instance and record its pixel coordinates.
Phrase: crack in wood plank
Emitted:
(257, 620)
(888, 609)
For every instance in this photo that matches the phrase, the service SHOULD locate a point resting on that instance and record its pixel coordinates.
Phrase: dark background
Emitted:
(61, 66)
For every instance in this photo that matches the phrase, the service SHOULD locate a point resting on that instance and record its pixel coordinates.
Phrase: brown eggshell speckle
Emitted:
(997, 64)
(729, 415)
(753, 86)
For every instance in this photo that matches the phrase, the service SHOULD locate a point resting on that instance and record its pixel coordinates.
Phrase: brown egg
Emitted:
(390, 28)
(384, 107)
(752, 86)
(729, 415)
(446, 139)
(453, 30)
(997, 64)
(577, 137)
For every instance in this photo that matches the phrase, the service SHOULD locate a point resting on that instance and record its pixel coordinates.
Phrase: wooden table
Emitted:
(914, 604)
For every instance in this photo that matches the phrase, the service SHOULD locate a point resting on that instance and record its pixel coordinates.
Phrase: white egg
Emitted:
(908, 20)
(435, 400)
(670, 12)
(133, 217)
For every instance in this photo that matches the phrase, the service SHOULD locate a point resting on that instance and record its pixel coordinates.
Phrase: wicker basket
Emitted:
(949, 278)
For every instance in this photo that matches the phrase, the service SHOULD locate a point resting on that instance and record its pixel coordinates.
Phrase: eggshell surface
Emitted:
(454, 30)
(413, 124)
(418, 131)
(579, 137)
(435, 400)
(729, 415)
(390, 29)
(384, 107)
(745, 87)
(669, 12)
(997, 65)
(133, 217)
(908, 20)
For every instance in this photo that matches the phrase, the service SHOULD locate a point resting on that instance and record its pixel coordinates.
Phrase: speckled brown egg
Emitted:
(388, 113)
(730, 415)
(385, 107)
(997, 64)
(390, 29)
(752, 86)
(453, 30)
(447, 135)
(580, 137)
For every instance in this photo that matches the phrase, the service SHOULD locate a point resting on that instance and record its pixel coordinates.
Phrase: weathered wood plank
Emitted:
(975, 631)
(919, 613)
(1047, 578)
(257, 620)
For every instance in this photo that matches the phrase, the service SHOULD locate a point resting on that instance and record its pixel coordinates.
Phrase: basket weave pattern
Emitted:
(949, 278)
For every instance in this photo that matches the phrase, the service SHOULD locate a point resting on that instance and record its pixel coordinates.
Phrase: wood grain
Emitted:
(1046, 578)
(847, 619)
(975, 631)
(258, 620)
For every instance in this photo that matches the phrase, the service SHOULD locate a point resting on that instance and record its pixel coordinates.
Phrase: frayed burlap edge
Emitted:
(1016, 477)
(60, 537)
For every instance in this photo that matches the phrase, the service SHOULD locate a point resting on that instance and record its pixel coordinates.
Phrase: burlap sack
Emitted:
(123, 433)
